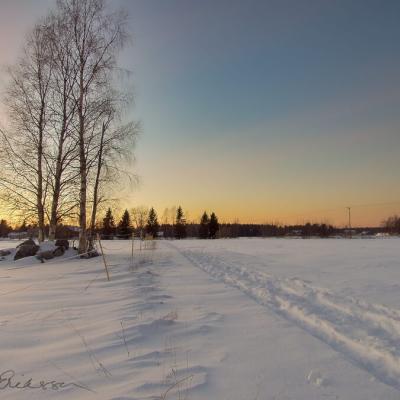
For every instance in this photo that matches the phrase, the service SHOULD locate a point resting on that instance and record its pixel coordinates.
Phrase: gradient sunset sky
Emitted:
(259, 110)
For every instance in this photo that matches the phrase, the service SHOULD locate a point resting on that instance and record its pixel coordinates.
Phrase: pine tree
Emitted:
(180, 224)
(23, 227)
(124, 226)
(152, 223)
(108, 229)
(5, 229)
(213, 226)
(204, 228)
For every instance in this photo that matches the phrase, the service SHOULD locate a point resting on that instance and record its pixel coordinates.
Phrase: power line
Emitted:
(338, 208)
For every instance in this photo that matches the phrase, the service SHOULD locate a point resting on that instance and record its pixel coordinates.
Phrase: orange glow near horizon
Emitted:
(361, 215)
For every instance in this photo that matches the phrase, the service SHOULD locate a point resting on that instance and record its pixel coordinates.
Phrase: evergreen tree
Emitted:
(108, 229)
(152, 223)
(124, 226)
(204, 228)
(5, 229)
(180, 224)
(213, 226)
(23, 227)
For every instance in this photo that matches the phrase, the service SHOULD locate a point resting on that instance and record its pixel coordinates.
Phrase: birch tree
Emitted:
(112, 148)
(63, 152)
(97, 36)
(139, 218)
(23, 176)
(66, 137)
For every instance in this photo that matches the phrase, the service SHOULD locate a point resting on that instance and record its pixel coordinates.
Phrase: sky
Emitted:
(262, 111)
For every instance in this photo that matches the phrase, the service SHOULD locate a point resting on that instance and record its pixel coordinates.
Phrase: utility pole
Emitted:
(349, 209)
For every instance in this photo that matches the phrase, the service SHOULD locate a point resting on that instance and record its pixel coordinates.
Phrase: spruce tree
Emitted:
(152, 223)
(108, 229)
(204, 228)
(23, 227)
(5, 229)
(124, 226)
(180, 224)
(213, 226)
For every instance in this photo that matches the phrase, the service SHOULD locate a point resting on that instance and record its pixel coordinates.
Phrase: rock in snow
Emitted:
(62, 243)
(26, 250)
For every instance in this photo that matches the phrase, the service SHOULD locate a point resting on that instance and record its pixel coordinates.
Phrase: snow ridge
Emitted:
(367, 334)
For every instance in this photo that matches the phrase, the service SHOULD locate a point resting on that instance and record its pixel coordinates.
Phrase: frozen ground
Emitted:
(242, 319)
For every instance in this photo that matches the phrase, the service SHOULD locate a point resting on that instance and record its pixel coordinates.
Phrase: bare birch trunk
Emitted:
(97, 184)
(82, 169)
(40, 208)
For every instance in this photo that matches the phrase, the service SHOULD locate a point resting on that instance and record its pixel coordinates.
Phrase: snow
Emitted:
(238, 319)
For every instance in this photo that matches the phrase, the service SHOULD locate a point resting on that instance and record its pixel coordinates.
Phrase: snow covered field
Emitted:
(239, 319)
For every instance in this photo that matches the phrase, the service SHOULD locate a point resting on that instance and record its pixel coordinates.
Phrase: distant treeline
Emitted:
(233, 230)
(392, 225)
(142, 222)
(31, 230)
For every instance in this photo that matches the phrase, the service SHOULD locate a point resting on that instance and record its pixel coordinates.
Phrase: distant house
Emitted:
(18, 235)
(67, 232)
(294, 233)
(350, 232)
(382, 234)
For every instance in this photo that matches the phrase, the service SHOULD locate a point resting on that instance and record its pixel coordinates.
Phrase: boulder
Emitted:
(28, 242)
(50, 254)
(26, 250)
(4, 253)
(90, 254)
(62, 242)
(59, 251)
(45, 255)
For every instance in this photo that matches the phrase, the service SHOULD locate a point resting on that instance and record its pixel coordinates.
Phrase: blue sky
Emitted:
(260, 110)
